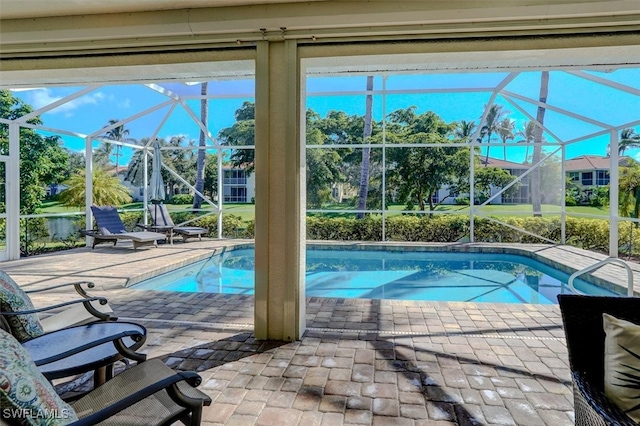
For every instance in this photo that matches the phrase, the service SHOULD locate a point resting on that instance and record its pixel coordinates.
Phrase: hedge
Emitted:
(590, 234)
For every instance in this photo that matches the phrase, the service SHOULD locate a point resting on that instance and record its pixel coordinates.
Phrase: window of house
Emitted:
(235, 177)
(574, 176)
(602, 177)
(235, 194)
(587, 178)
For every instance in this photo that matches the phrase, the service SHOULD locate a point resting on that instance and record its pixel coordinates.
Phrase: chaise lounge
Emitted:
(149, 393)
(111, 229)
(162, 222)
(82, 336)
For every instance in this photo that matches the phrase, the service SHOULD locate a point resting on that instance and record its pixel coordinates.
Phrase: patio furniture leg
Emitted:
(99, 376)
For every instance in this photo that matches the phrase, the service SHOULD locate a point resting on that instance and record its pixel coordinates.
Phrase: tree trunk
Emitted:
(117, 158)
(366, 152)
(537, 146)
(204, 113)
(486, 158)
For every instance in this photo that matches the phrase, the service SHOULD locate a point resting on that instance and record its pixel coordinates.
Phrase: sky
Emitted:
(598, 103)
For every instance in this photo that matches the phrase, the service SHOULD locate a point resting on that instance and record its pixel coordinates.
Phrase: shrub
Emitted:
(232, 225)
(182, 199)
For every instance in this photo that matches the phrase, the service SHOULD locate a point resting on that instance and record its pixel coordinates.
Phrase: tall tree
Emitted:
(536, 198)
(628, 139)
(366, 151)
(242, 132)
(118, 134)
(527, 134)
(323, 169)
(465, 130)
(505, 130)
(492, 125)
(204, 118)
(629, 185)
(211, 176)
(43, 161)
(417, 173)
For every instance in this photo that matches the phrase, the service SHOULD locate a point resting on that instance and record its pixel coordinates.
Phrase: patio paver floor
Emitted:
(366, 362)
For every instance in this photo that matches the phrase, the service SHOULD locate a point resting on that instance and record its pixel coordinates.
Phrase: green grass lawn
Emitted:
(246, 211)
(492, 209)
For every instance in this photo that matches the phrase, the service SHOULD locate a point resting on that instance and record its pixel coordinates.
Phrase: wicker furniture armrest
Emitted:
(593, 408)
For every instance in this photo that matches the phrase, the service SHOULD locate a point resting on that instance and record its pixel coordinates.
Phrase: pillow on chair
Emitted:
(25, 395)
(622, 364)
(14, 299)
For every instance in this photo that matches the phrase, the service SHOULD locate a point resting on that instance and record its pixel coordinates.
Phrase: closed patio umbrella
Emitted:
(156, 193)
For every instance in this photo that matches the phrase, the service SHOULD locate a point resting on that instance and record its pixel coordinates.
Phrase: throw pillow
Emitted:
(26, 396)
(14, 299)
(622, 364)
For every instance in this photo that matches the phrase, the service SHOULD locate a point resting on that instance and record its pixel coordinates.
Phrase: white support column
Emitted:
(145, 183)
(220, 192)
(88, 183)
(13, 194)
(613, 194)
(563, 196)
(279, 155)
(472, 189)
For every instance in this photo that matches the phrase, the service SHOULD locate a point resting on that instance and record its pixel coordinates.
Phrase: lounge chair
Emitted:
(149, 393)
(83, 337)
(583, 326)
(14, 301)
(162, 222)
(111, 229)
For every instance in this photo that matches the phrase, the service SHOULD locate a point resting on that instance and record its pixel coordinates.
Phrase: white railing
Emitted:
(599, 264)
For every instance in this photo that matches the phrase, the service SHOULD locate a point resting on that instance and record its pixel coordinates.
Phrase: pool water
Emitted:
(380, 274)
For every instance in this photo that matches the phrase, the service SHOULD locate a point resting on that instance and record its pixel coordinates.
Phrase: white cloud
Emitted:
(124, 103)
(43, 97)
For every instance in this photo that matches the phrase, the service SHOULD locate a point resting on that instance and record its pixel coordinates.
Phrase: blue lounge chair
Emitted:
(111, 229)
(162, 222)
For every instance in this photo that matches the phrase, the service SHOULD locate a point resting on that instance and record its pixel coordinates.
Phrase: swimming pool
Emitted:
(382, 274)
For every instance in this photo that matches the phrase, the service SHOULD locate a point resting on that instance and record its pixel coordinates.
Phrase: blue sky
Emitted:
(92, 111)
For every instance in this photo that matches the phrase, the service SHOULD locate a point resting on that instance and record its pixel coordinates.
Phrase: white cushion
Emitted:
(622, 364)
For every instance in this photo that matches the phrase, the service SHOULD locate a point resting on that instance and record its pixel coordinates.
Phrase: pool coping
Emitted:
(544, 253)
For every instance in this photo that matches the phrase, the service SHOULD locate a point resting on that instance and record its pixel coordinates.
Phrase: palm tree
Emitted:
(537, 145)
(628, 139)
(491, 125)
(135, 169)
(116, 134)
(505, 130)
(527, 136)
(366, 152)
(629, 185)
(465, 130)
(204, 114)
(107, 190)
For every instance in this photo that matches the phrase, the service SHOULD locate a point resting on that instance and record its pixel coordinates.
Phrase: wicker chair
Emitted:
(582, 318)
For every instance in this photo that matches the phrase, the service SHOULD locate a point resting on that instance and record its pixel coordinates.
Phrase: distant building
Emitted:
(592, 170)
(238, 186)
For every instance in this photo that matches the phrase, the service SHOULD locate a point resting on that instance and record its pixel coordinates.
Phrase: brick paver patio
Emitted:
(360, 362)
